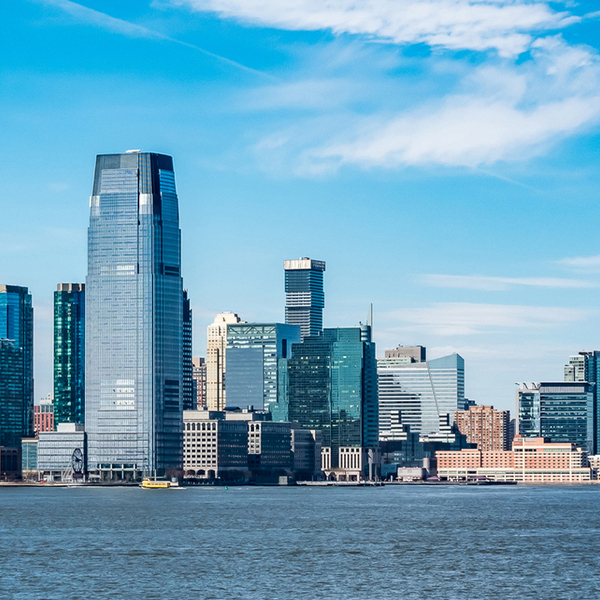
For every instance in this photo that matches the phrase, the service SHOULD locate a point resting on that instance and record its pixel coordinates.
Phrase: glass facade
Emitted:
(69, 353)
(331, 385)
(16, 324)
(189, 396)
(561, 412)
(253, 352)
(11, 393)
(133, 329)
(420, 392)
(304, 295)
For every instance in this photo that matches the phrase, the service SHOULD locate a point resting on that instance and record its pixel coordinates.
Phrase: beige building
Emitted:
(532, 460)
(215, 359)
(484, 426)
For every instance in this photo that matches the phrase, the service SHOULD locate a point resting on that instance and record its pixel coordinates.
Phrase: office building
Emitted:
(304, 295)
(306, 452)
(62, 454)
(559, 411)
(484, 426)
(199, 382)
(532, 460)
(189, 400)
(43, 415)
(585, 366)
(69, 353)
(253, 352)
(419, 391)
(16, 324)
(29, 468)
(133, 325)
(10, 463)
(331, 386)
(216, 364)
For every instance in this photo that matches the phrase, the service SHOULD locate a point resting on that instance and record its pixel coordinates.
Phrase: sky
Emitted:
(440, 155)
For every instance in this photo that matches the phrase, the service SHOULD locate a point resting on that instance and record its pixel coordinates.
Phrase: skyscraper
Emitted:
(189, 401)
(199, 382)
(304, 296)
(419, 391)
(69, 353)
(16, 324)
(216, 364)
(133, 329)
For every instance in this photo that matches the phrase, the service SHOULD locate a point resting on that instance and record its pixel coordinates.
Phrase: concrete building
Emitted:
(199, 382)
(213, 447)
(253, 354)
(62, 454)
(530, 460)
(216, 363)
(420, 391)
(43, 415)
(304, 295)
(484, 426)
(558, 411)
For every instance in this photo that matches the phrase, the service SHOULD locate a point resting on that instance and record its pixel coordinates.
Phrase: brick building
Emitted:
(485, 426)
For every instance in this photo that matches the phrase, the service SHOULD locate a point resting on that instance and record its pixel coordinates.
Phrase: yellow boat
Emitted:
(153, 484)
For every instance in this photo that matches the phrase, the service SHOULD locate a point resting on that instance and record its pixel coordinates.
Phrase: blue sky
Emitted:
(440, 155)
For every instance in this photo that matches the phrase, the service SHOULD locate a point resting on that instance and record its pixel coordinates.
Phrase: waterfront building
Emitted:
(69, 353)
(419, 391)
(306, 452)
(199, 382)
(29, 467)
(16, 366)
(530, 460)
(585, 366)
(304, 295)
(484, 426)
(133, 327)
(43, 415)
(62, 454)
(253, 352)
(558, 411)
(10, 463)
(213, 446)
(330, 384)
(189, 400)
(216, 364)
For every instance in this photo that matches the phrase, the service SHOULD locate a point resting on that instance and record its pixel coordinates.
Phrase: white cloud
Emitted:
(476, 282)
(591, 263)
(466, 318)
(504, 25)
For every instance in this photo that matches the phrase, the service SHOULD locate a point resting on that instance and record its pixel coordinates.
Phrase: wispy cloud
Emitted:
(104, 21)
(466, 318)
(477, 282)
(503, 25)
(588, 263)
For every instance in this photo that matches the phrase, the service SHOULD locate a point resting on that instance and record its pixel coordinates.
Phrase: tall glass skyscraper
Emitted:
(189, 398)
(133, 329)
(16, 324)
(304, 295)
(69, 353)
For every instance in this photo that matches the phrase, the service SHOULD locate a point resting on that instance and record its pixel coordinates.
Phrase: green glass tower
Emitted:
(69, 353)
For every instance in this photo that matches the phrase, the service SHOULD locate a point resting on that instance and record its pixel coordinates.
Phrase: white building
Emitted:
(62, 454)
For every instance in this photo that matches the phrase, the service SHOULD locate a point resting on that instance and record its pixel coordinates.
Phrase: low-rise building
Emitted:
(10, 463)
(530, 460)
(306, 452)
(62, 454)
(29, 466)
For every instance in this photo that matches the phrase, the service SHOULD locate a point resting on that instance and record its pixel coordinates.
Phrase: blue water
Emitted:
(401, 542)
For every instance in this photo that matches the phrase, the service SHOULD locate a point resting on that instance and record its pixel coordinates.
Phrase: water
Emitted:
(400, 542)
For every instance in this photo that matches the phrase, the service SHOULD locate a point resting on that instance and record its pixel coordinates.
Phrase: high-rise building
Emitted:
(253, 354)
(484, 426)
(189, 401)
(304, 295)
(199, 382)
(11, 393)
(331, 386)
(216, 348)
(133, 328)
(418, 391)
(69, 353)
(585, 366)
(43, 415)
(16, 324)
(558, 411)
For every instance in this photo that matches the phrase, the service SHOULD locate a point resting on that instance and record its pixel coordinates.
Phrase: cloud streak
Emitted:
(591, 263)
(476, 282)
(502, 25)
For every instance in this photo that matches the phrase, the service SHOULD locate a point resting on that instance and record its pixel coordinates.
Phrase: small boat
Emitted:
(155, 484)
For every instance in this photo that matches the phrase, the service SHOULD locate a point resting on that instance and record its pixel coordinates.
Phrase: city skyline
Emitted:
(289, 139)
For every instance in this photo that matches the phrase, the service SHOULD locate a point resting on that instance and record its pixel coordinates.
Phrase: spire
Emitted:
(370, 316)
